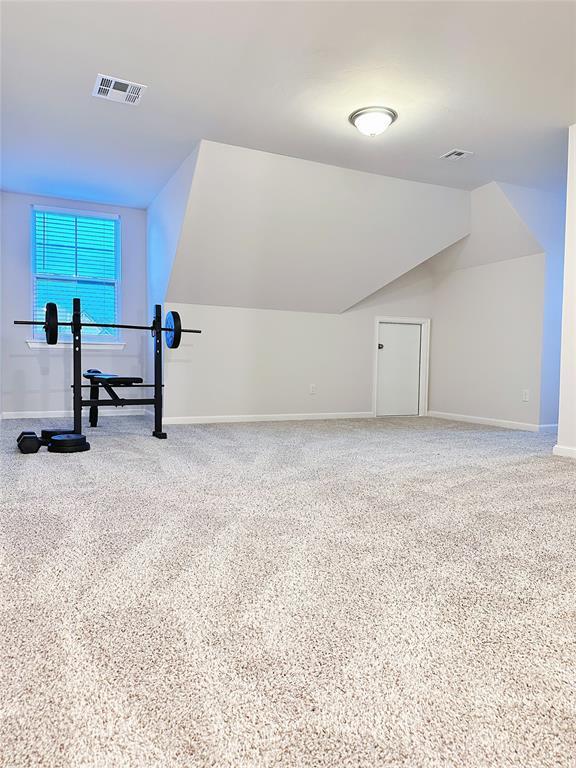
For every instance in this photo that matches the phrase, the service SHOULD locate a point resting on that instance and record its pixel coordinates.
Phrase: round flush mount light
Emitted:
(372, 121)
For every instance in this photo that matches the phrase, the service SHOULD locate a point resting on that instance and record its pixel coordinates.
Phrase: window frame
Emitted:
(38, 333)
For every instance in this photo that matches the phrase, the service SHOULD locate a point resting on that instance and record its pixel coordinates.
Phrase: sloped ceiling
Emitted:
(543, 211)
(274, 232)
(165, 219)
(498, 233)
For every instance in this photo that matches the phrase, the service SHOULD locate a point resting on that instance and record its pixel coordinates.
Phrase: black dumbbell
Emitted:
(29, 442)
(24, 434)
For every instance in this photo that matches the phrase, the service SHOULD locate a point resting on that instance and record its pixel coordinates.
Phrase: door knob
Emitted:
(380, 346)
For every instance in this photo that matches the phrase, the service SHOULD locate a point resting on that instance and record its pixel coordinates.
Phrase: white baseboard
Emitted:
(526, 427)
(265, 417)
(564, 450)
(65, 414)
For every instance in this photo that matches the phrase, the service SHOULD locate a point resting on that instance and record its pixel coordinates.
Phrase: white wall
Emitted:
(256, 362)
(260, 363)
(544, 211)
(485, 349)
(488, 314)
(486, 341)
(37, 381)
(567, 418)
(485, 296)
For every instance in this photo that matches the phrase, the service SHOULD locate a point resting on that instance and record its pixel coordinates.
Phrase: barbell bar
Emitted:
(172, 328)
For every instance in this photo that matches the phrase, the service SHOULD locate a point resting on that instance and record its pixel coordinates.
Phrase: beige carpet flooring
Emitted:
(346, 594)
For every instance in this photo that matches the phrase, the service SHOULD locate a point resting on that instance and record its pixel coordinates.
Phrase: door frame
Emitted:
(424, 323)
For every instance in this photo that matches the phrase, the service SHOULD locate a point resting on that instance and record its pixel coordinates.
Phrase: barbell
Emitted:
(172, 326)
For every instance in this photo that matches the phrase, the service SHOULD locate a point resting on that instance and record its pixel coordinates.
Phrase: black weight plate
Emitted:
(67, 440)
(174, 334)
(51, 323)
(55, 448)
(47, 434)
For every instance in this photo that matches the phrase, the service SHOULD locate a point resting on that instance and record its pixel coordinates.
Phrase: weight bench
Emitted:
(30, 443)
(106, 381)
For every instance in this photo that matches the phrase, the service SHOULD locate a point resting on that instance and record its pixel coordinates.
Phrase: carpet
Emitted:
(329, 594)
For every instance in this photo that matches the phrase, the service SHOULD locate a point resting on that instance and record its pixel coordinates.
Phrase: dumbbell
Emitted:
(57, 440)
(28, 442)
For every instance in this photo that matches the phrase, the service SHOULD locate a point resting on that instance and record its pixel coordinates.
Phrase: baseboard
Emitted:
(564, 450)
(265, 417)
(545, 428)
(65, 414)
(525, 427)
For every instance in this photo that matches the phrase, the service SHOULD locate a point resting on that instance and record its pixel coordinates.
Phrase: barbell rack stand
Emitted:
(76, 325)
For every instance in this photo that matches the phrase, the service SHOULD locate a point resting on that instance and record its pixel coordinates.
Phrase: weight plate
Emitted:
(56, 448)
(51, 323)
(47, 434)
(67, 440)
(174, 334)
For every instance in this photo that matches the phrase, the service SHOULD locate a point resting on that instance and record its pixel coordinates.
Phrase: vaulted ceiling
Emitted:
(497, 78)
(244, 228)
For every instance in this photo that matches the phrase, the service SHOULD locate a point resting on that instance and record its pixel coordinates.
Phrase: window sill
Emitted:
(105, 346)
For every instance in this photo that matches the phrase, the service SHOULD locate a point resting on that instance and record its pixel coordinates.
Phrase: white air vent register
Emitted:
(114, 89)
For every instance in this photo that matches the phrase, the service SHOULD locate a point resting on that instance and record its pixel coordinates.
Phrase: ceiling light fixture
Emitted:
(372, 121)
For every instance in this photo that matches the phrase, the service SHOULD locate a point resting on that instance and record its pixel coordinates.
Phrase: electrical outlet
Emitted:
(312, 389)
(525, 395)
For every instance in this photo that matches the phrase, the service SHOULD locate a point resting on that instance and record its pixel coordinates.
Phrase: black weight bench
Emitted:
(107, 381)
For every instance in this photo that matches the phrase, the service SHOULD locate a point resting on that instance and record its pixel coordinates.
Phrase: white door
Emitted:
(398, 392)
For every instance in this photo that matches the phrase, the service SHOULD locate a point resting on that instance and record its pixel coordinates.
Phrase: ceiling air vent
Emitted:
(456, 154)
(113, 89)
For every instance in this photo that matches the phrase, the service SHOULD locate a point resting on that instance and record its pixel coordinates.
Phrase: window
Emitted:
(76, 255)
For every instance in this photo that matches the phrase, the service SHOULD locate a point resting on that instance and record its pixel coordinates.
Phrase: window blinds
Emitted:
(76, 256)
